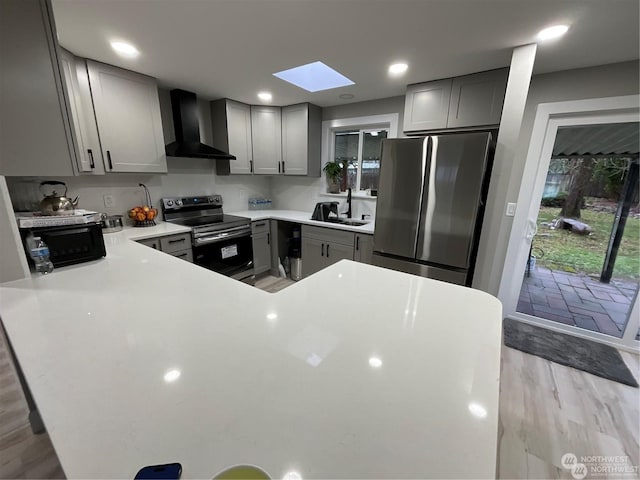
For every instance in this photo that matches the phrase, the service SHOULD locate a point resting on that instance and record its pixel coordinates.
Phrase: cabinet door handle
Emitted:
(357, 243)
(91, 163)
(268, 239)
(177, 241)
(322, 250)
(278, 167)
(283, 170)
(327, 250)
(182, 255)
(251, 166)
(109, 160)
(260, 224)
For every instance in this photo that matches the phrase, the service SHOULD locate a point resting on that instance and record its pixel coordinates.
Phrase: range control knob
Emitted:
(169, 203)
(178, 202)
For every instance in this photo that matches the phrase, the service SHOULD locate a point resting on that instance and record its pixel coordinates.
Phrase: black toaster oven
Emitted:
(69, 244)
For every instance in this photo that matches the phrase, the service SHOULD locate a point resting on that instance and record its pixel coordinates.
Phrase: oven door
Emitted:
(227, 252)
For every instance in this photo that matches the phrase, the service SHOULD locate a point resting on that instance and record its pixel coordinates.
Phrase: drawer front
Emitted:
(175, 243)
(328, 235)
(150, 242)
(260, 226)
(184, 255)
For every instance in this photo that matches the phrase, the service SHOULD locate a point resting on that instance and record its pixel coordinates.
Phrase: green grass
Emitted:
(570, 252)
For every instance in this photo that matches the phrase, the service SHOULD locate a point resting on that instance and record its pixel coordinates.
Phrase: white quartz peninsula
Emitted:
(355, 372)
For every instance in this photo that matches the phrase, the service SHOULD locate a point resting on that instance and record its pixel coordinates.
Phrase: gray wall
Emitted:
(595, 82)
(368, 108)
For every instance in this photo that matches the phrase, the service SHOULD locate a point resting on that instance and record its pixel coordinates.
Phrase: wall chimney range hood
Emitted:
(185, 123)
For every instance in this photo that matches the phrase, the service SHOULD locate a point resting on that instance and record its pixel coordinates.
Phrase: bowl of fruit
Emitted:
(144, 216)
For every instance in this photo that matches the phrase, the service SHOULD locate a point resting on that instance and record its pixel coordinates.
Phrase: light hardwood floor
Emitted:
(546, 410)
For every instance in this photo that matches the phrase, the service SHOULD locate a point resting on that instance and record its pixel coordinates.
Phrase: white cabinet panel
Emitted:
(427, 105)
(301, 137)
(232, 133)
(266, 133)
(128, 116)
(86, 139)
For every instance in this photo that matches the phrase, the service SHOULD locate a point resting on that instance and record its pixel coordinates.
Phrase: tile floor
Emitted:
(577, 300)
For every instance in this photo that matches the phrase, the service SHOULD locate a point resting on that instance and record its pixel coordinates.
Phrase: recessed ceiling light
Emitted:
(346, 96)
(265, 96)
(375, 362)
(552, 32)
(172, 375)
(125, 49)
(314, 77)
(398, 68)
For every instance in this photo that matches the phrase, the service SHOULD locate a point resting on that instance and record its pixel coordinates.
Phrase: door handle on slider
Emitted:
(327, 250)
(322, 250)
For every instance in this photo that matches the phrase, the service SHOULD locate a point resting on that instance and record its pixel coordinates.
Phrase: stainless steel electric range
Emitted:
(221, 243)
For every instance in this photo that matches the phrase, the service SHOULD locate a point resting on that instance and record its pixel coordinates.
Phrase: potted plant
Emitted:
(333, 171)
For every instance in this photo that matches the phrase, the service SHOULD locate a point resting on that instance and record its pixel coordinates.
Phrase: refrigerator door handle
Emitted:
(425, 152)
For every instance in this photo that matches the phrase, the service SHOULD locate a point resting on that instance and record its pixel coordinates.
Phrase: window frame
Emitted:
(388, 122)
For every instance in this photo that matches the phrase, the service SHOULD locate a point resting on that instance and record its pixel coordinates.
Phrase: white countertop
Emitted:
(303, 217)
(284, 381)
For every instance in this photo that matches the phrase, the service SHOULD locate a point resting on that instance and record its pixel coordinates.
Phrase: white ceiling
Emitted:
(230, 48)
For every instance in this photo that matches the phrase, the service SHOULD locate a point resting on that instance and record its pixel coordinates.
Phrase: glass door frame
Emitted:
(549, 118)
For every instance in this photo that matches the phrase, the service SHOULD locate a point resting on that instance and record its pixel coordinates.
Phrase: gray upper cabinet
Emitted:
(35, 137)
(232, 133)
(86, 139)
(266, 135)
(426, 105)
(127, 111)
(461, 102)
(477, 99)
(301, 132)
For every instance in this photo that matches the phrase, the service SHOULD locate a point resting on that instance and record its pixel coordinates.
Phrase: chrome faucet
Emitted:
(348, 212)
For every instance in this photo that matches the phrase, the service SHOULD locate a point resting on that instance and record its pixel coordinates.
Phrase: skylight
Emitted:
(314, 77)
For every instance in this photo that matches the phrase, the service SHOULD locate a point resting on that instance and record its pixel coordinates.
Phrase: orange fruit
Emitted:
(151, 215)
(140, 217)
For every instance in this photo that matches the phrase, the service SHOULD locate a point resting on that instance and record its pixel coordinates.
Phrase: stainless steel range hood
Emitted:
(185, 122)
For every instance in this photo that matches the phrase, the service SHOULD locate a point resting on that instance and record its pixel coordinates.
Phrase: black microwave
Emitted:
(69, 244)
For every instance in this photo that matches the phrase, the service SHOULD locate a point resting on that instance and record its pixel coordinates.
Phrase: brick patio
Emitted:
(577, 300)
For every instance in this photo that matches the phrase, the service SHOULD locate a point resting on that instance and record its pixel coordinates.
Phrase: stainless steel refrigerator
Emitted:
(431, 198)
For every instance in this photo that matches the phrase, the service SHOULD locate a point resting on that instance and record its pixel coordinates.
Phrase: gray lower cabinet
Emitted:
(363, 249)
(261, 239)
(322, 247)
(178, 245)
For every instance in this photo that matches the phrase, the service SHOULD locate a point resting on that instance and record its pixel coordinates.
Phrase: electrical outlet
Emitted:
(511, 209)
(109, 201)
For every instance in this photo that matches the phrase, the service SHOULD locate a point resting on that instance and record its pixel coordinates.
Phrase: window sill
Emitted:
(359, 196)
